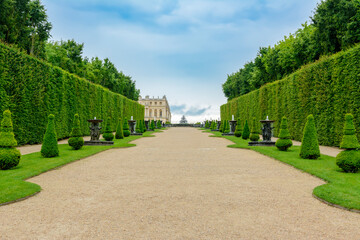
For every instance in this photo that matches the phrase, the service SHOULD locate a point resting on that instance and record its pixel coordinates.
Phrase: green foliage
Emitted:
(284, 141)
(9, 155)
(238, 129)
(349, 160)
(119, 130)
(138, 126)
(349, 140)
(32, 89)
(226, 126)
(158, 125)
(254, 136)
(152, 125)
(207, 124)
(49, 147)
(108, 133)
(221, 128)
(7, 138)
(246, 131)
(76, 141)
(327, 88)
(126, 128)
(309, 144)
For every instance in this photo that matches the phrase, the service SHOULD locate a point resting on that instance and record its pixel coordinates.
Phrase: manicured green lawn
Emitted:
(12, 184)
(342, 188)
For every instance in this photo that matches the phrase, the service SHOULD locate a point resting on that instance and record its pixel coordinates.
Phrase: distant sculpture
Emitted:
(95, 130)
(183, 120)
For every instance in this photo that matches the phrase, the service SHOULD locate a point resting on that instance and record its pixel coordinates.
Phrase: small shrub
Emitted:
(227, 127)
(284, 141)
(138, 126)
(126, 128)
(349, 159)
(254, 136)
(309, 144)
(142, 126)
(246, 131)
(238, 129)
(76, 141)
(158, 124)
(206, 124)
(9, 155)
(221, 128)
(108, 135)
(152, 125)
(119, 130)
(49, 147)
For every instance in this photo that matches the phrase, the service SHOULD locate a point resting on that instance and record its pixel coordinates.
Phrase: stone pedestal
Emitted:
(95, 134)
(132, 127)
(232, 128)
(266, 134)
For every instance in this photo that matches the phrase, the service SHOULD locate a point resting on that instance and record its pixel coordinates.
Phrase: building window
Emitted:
(155, 115)
(150, 113)
(160, 113)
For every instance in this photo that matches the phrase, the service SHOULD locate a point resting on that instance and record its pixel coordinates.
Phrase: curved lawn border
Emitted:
(341, 190)
(13, 184)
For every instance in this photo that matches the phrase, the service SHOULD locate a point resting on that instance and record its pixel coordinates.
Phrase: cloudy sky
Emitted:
(183, 49)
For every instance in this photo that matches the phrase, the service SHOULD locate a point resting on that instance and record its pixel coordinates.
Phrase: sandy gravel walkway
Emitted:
(181, 184)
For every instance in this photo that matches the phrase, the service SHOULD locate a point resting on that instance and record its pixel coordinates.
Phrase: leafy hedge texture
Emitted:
(108, 133)
(309, 144)
(9, 155)
(49, 147)
(284, 141)
(32, 90)
(76, 141)
(328, 89)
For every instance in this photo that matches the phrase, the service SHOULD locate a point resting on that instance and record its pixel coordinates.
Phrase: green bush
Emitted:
(329, 88)
(254, 136)
(206, 124)
(108, 133)
(221, 128)
(246, 131)
(152, 125)
(32, 89)
(238, 129)
(284, 141)
(119, 130)
(126, 128)
(76, 141)
(49, 147)
(309, 144)
(142, 126)
(158, 124)
(138, 127)
(9, 155)
(349, 159)
(226, 126)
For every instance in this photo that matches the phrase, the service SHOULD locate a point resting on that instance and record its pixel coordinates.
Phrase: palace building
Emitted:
(156, 108)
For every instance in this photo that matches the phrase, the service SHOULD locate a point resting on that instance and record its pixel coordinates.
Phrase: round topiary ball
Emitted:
(76, 142)
(283, 144)
(9, 158)
(349, 160)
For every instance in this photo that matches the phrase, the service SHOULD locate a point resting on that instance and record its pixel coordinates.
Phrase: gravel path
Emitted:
(181, 184)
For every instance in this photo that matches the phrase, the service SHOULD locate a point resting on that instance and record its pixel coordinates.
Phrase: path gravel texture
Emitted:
(181, 184)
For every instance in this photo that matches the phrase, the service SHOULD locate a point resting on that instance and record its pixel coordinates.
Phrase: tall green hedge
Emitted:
(328, 89)
(33, 89)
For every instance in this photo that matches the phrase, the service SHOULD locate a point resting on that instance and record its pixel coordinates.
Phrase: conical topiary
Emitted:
(108, 134)
(49, 147)
(126, 128)
(152, 125)
(246, 131)
(254, 136)
(349, 159)
(284, 141)
(206, 124)
(144, 125)
(119, 130)
(227, 127)
(213, 125)
(238, 129)
(309, 144)
(9, 155)
(76, 141)
(138, 127)
(158, 124)
(221, 128)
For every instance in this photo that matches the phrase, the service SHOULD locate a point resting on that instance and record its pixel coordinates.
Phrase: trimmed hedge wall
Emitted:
(33, 89)
(328, 89)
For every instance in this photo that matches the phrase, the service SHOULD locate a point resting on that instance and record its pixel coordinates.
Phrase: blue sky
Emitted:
(183, 49)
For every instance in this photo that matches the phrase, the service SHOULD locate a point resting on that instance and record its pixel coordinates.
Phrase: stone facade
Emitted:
(156, 108)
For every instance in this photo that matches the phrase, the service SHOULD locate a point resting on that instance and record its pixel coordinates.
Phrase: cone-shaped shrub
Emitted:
(126, 128)
(152, 125)
(143, 125)
(238, 129)
(284, 141)
(246, 131)
(138, 127)
(141, 128)
(213, 125)
(309, 144)
(206, 124)
(119, 130)
(254, 136)
(108, 135)
(221, 128)
(76, 141)
(49, 147)
(349, 159)
(227, 127)
(9, 155)
(159, 124)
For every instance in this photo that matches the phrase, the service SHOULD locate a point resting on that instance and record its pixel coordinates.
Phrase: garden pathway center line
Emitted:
(181, 184)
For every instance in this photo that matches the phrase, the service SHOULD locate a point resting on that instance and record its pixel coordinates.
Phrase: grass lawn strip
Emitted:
(13, 186)
(342, 188)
